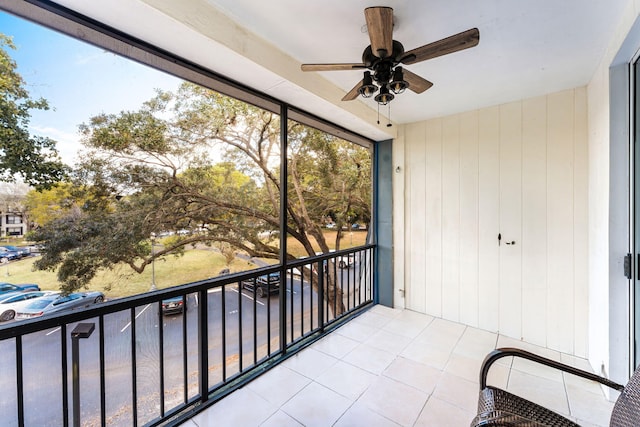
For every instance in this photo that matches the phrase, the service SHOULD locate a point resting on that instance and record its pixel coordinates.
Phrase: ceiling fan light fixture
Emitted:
(398, 84)
(384, 97)
(368, 88)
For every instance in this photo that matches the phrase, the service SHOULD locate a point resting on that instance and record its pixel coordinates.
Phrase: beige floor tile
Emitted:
(232, 410)
(537, 369)
(392, 368)
(370, 359)
(444, 329)
(386, 311)
(576, 362)
(359, 415)
(414, 374)
(394, 400)
(443, 414)
(511, 342)
(281, 419)
(409, 323)
(388, 341)
(316, 405)
(356, 331)
(428, 353)
(584, 423)
(336, 345)
(457, 391)
(476, 343)
(346, 379)
(437, 340)
(498, 376)
(311, 363)
(579, 382)
(464, 367)
(548, 393)
(278, 385)
(373, 320)
(589, 406)
(573, 381)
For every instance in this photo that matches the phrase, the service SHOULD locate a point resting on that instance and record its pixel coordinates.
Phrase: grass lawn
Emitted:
(194, 265)
(349, 239)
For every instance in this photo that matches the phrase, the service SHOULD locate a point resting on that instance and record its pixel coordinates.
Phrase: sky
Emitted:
(77, 79)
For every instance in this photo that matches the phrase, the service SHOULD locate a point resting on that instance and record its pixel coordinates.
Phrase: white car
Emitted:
(11, 302)
(346, 261)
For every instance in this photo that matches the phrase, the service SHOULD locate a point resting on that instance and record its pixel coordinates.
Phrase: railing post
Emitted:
(82, 330)
(321, 265)
(203, 341)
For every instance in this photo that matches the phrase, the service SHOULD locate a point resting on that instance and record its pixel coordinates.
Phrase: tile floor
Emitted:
(400, 368)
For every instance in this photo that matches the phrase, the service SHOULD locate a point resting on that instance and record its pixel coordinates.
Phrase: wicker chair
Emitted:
(497, 407)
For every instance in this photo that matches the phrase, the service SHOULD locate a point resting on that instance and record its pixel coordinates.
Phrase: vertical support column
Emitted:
(284, 171)
(383, 222)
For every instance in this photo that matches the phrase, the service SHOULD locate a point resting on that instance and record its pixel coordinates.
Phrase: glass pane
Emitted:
(329, 205)
(168, 183)
(636, 207)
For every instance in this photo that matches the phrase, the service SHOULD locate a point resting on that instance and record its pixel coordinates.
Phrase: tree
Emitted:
(34, 158)
(45, 205)
(161, 159)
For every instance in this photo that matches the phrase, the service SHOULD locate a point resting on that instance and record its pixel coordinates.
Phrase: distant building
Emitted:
(12, 224)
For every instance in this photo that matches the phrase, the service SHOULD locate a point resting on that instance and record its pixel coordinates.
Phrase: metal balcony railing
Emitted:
(134, 362)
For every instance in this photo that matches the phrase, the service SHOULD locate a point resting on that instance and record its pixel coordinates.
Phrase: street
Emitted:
(42, 356)
(42, 371)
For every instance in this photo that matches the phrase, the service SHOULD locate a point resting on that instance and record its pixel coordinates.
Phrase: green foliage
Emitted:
(33, 157)
(152, 171)
(60, 200)
(81, 243)
(330, 177)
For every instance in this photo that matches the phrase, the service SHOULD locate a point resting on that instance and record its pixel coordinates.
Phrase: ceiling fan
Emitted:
(382, 59)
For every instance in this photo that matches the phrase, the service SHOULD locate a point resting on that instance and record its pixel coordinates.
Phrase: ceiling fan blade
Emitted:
(353, 93)
(331, 67)
(416, 83)
(461, 41)
(380, 27)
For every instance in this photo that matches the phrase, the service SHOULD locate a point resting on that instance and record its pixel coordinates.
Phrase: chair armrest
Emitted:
(508, 351)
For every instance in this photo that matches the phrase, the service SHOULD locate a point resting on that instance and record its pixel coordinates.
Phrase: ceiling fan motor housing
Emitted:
(383, 64)
(383, 67)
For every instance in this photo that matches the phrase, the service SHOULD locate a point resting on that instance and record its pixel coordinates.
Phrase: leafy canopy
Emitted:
(208, 166)
(34, 158)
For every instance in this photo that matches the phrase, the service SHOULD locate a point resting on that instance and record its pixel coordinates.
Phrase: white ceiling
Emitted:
(527, 48)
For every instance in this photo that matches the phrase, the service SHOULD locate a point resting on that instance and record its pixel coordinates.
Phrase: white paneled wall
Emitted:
(518, 170)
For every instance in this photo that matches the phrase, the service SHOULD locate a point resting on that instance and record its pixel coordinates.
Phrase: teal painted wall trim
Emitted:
(383, 221)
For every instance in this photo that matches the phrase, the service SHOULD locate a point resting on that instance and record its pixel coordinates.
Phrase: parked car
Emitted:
(13, 301)
(346, 261)
(263, 285)
(22, 252)
(10, 287)
(173, 305)
(55, 303)
(6, 255)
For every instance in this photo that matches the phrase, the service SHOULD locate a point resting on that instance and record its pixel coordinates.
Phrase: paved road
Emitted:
(42, 360)
(42, 355)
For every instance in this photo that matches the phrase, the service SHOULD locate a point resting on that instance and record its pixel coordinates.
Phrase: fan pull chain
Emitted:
(378, 113)
(389, 117)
